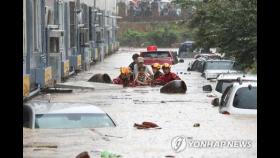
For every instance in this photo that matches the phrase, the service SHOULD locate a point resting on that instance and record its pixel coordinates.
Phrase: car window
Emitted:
(162, 54)
(201, 66)
(73, 121)
(222, 85)
(219, 65)
(245, 98)
(194, 65)
(226, 95)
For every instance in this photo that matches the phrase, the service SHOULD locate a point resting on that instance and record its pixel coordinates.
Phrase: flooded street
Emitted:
(174, 113)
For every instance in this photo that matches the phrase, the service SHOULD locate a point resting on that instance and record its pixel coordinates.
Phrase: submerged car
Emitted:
(225, 80)
(160, 57)
(65, 115)
(213, 68)
(239, 98)
(186, 49)
(197, 65)
(208, 56)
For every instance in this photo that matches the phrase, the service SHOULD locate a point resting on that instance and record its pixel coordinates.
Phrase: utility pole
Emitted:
(77, 11)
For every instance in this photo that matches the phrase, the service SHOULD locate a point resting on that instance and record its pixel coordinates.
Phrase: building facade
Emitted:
(61, 37)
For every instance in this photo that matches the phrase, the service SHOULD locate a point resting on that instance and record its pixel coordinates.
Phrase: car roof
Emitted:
(245, 84)
(64, 108)
(219, 60)
(158, 51)
(186, 42)
(235, 76)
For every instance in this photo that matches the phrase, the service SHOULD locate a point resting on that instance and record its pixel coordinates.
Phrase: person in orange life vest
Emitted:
(167, 76)
(125, 77)
(156, 68)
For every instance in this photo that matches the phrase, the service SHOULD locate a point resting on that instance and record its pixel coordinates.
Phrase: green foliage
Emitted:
(230, 25)
(162, 36)
(132, 37)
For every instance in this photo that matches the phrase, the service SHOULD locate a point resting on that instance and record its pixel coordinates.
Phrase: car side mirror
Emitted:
(207, 88)
(181, 61)
(189, 69)
(215, 102)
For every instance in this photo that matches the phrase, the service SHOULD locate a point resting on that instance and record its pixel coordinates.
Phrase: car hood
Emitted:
(220, 71)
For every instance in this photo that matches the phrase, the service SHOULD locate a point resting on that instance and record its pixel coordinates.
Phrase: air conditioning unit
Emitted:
(44, 76)
(26, 85)
(54, 60)
(76, 62)
(106, 50)
(94, 54)
(56, 33)
(65, 68)
(87, 58)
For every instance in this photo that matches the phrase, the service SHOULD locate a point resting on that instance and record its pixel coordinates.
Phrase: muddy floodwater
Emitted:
(176, 114)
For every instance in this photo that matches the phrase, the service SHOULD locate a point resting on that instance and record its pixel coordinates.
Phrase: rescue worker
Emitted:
(142, 78)
(134, 58)
(156, 70)
(167, 76)
(140, 63)
(125, 78)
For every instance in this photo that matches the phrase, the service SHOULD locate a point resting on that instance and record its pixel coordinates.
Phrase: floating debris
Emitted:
(196, 125)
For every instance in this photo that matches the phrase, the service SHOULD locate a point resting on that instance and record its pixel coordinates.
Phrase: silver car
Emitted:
(65, 115)
(213, 68)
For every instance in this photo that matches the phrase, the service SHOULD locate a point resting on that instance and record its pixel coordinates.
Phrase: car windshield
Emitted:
(222, 85)
(219, 65)
(157, 54)
(73, 121)
(187, 47)
(246, 98)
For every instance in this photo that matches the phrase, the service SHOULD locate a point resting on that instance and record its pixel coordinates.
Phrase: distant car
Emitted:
(213, 68)
(239, 98)
(159, 57)
(208, 56)
(186, 49)
(197, 64)
(225, 80)
(65, 115)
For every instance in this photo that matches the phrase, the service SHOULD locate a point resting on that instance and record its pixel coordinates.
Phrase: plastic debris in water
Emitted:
(107, 154)
(196, 125)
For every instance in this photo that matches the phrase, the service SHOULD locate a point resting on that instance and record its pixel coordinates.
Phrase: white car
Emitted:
(239, 98)
(225, 80)
(65, 115)
(213, 68)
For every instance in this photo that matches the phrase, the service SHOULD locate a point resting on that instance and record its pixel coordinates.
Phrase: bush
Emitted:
(132, 38)
(162, 36)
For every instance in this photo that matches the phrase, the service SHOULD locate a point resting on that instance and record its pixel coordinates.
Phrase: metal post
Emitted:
(43, 31)
(77, 11)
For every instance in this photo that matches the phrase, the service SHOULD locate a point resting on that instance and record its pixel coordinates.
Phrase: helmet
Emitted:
(156, 65)
(166, 65)
(125, 70)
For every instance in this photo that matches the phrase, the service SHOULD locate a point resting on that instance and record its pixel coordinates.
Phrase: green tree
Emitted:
(230, 25)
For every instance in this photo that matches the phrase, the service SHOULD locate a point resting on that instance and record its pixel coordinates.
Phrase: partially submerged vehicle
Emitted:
(225, 80)
(213, 68)
(208, 56)
(197, 65)
(152, 55)
(64, 115)
(239, 98)
(186, 49)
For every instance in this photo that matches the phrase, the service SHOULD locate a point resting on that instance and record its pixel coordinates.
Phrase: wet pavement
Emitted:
(174, 113)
